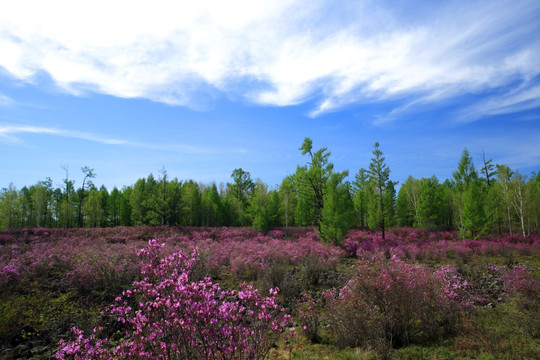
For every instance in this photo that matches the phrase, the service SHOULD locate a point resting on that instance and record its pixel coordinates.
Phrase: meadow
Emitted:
(235, 293)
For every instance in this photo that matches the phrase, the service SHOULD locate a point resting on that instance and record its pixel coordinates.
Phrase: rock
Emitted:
(39, 350)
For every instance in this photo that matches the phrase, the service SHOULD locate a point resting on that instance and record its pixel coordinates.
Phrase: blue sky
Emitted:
(131, 87)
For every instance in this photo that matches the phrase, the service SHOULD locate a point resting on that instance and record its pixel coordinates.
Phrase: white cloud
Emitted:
(275, 52)
(8, 132)
(5, 100)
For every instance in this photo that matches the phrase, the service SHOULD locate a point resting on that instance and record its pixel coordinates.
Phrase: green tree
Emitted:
(264, 208)
(463, 177)
(432, 204)
(92, 209)
(519, 198)
(126, 209)
(114, 205)
(163, 201)
(138, 200)
(241, 190)
(338, 211)
(9, 207)
(211, 204)
(312, 178)
(41, 200)
(407, 202)
(88, 174)
(106, 215)
(466, 172)
(360, 197)
(27, 216)
(288, 200)
(474, 216)
(379, 176)
(191, 203)
(504, 176)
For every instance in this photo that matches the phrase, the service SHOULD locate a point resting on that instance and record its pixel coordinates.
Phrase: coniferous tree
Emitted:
(126, 210)
(311, 180)
(407, 202)
(463, 177)
(191, 204)
(474, 216)
(92, 209)
(379, 176)
(88, 174)
(288, 201)
(504, 176)
(211, 204)
(241, 190)
(360, 197)
(9, 207)
(113, 206)
(338, 211)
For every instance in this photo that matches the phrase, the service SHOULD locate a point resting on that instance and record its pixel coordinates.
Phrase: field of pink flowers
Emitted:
(135, 292)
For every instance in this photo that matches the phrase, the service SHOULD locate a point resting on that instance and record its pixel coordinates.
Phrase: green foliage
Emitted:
(360, 197)
(311, 180)
(465, 173)
(287, 200)
(191, 203)
(432, 200)
(211, 206)
(338, 211)
(381, 204)
(264, 208)
(407, 202)
(474, 216)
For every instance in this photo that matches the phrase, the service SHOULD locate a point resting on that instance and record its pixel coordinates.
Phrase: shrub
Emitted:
(167, 316)
(392, 304)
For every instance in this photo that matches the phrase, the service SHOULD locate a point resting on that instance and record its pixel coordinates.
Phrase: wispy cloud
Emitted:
(5, 100)
(9, 132)
(282, 52)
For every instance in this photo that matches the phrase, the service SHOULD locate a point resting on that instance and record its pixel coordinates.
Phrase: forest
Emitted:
(477, 200)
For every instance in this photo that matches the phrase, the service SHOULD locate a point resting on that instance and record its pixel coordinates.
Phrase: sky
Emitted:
(198, 89)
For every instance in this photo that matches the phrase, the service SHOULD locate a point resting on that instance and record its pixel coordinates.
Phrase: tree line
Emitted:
(490, 199)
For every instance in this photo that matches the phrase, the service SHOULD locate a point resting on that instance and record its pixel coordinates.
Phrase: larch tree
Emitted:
(379, 176)
(312, 178)
(241, 190)
(338, 211)
(88, 174)
(360, 196)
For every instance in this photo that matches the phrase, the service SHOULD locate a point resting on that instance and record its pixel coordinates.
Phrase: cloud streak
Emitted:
(281, 53)
(9, 133)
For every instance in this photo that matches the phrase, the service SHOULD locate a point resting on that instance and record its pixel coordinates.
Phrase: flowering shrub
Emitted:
(393, 304)
(9, 274)
(167, 316)
(309, 313)
(420, 245)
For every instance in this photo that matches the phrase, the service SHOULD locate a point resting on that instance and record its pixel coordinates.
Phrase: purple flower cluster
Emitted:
(104, 258)
(167, 316)
(418, 244)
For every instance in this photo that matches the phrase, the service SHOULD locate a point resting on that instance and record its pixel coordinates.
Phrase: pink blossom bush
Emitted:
(9, 274)
(420, 245)
(392, 304)
(167, 316)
